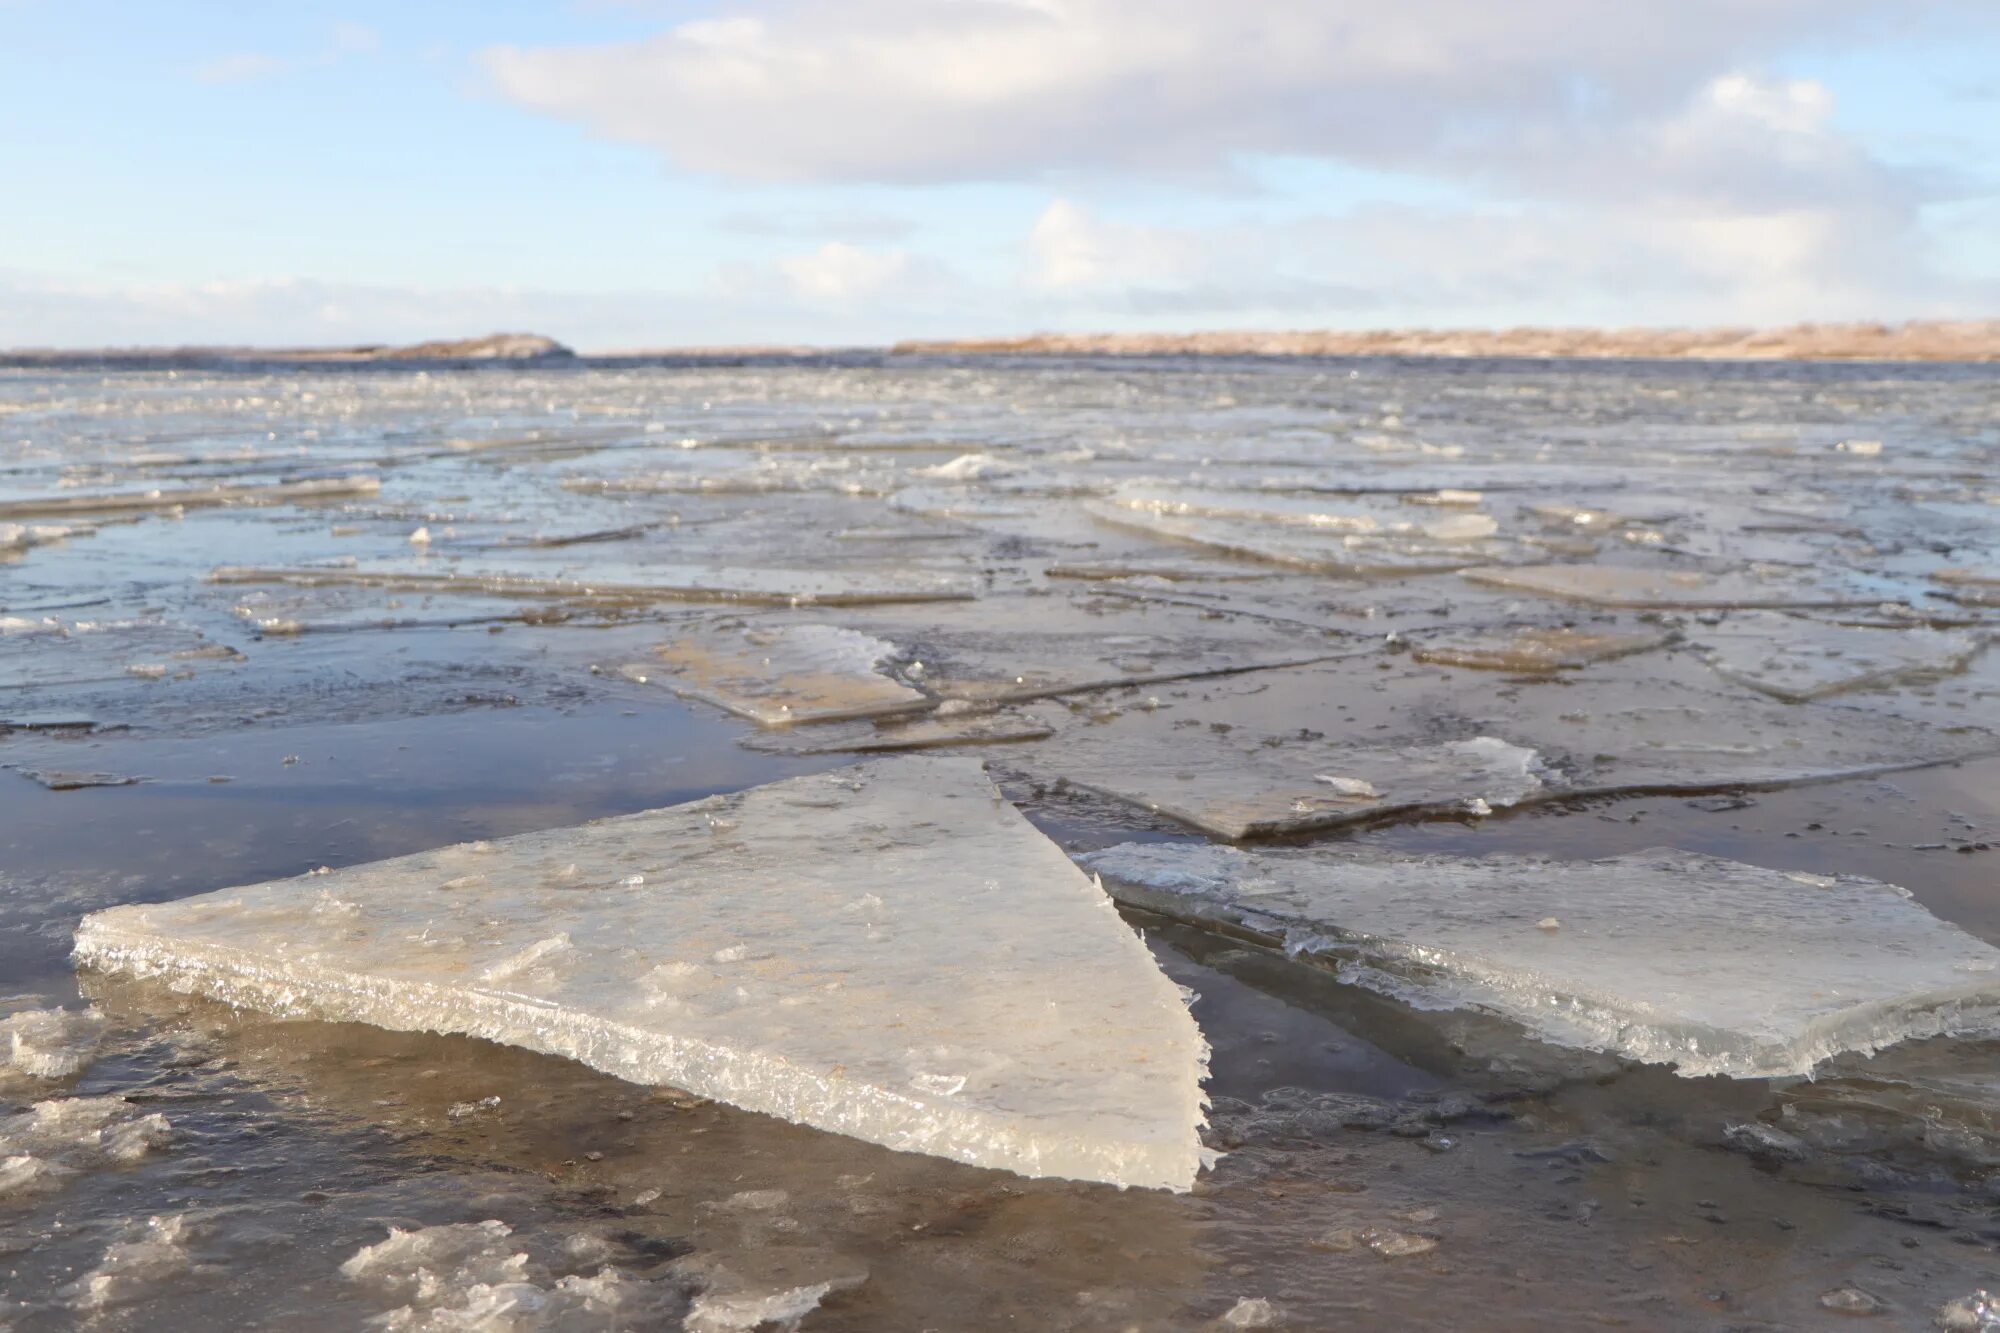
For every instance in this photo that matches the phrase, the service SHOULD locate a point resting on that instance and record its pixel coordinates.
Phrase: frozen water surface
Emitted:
(1710, 965)
(889, 952)
(1271, 635)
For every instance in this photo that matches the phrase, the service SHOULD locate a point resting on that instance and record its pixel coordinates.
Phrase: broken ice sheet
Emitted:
(65, 779)
(1322, 551)
(1533, 649)
(1258, 756)
(1652, 589)
(634, 583)
(1663, 956)
(188, 497)
(1971, 587)
(1237, 788)
(889, 951)
(953, 724)
(1798, 660)
(781, 675)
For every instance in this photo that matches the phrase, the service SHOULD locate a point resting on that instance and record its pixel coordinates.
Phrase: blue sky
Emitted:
(853, 171)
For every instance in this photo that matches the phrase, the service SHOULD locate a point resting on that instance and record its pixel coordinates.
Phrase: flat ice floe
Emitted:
(639, 583)
(889, 951)
(1663, 956)
(1235, 789)
(782, 675)
(1799, 660)
(1662, 590)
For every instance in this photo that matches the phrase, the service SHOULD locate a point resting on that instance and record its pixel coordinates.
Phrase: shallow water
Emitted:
(351, 722)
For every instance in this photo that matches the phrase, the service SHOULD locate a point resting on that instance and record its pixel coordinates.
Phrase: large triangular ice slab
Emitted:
(889, 951)
(1713, 966)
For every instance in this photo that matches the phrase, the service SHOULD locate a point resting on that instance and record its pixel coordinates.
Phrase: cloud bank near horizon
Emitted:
(926, 167)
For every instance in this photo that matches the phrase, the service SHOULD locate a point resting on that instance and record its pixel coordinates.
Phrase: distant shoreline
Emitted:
(1915, 340)
(1940, 341)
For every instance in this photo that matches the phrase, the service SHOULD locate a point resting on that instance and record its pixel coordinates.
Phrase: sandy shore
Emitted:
(1917, 340)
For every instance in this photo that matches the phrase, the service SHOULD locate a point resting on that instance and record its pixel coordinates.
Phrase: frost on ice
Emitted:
(1671, 957)
(889, 951)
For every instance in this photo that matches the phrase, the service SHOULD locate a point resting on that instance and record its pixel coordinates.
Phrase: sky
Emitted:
(668, 173)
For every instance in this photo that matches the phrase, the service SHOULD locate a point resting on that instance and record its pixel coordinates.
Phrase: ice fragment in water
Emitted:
(134, 1270)
(1535, 650)
(1251, 1312)
(1664, 956)
(1665, 590)
(741, 1312)
(189, 498)
(41, 1147)
(778, 676)
(990, 957)
(1237, 790)
(50, 1043)
(476, 1276)
(1799, 660)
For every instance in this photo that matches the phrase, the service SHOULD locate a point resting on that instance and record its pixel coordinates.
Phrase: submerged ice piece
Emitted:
(1658, 590)
(1713, 966)
(889, 951)
(779, 676)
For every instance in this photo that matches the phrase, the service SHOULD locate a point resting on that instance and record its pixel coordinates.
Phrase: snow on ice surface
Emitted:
(889, 951)
(1664, 956)
(779, 676)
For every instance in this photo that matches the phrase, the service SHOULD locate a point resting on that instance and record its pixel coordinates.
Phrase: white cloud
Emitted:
(917, 90)
(838, 271)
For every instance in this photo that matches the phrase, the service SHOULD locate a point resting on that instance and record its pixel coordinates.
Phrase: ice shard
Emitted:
(1662, 956)
(888, 951)
(782, 675)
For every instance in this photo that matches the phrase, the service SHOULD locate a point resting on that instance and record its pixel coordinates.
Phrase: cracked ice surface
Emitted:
(889, 951)
(1664, 956)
